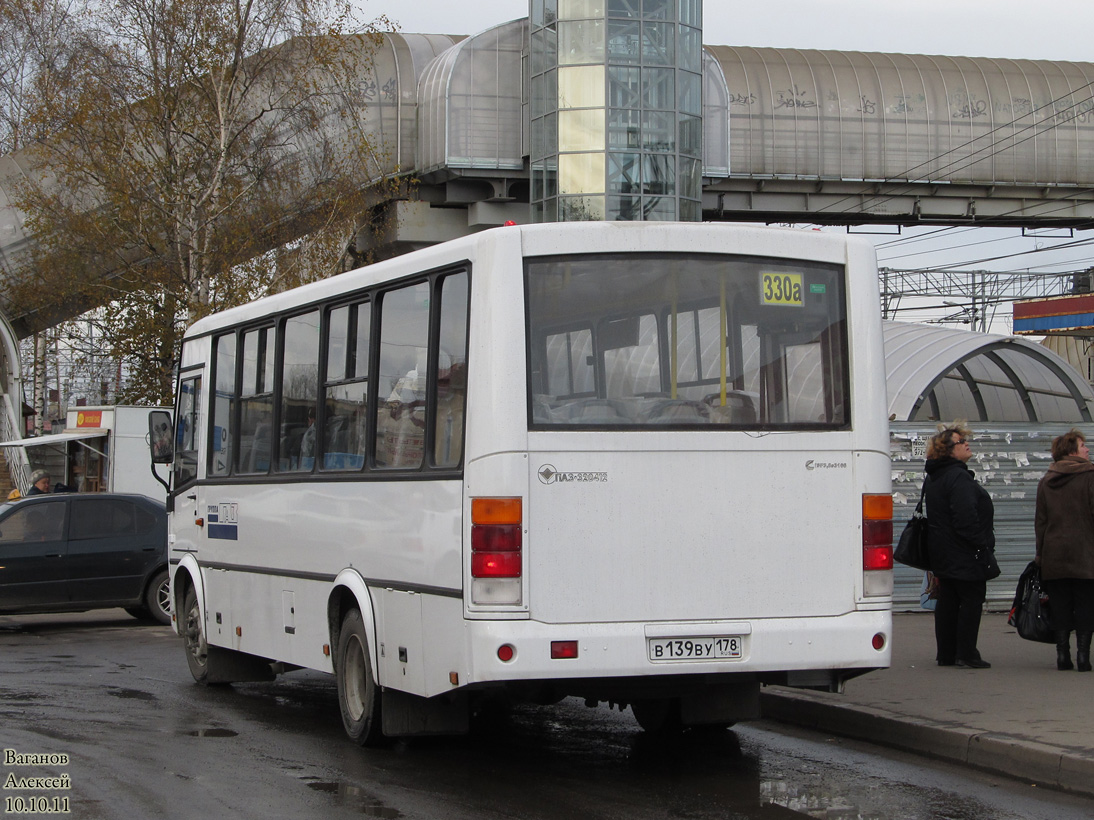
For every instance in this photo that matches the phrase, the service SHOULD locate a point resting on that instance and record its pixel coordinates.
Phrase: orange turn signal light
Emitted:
(496, 511)
(877, 507)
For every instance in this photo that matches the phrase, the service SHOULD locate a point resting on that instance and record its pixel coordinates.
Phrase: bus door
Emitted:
(187, 521)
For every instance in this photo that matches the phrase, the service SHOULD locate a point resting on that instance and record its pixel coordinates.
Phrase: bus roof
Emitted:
(546, 239)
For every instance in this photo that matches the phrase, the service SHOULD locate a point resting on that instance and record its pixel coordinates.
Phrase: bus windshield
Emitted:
(629, 340)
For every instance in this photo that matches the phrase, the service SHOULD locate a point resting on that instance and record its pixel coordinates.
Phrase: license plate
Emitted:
(695, 649)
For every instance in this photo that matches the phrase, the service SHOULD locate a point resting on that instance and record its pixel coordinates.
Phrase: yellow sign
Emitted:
(781, 289)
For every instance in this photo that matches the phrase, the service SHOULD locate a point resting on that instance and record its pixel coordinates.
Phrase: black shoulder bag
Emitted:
(911, 550)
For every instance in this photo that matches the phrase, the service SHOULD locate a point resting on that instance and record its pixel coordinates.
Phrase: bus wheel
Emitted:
(658, 715)
(358, 694)
(193, 636)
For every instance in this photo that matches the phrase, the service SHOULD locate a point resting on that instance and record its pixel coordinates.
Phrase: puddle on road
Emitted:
(19, 697)
(213, 733)
(354, 797)
(130, 694)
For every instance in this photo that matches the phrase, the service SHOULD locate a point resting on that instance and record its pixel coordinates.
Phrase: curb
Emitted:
(1025, 760)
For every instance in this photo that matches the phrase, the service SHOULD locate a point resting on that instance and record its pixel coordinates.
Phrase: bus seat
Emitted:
(740, 407)
(673, 411)
(592, 411)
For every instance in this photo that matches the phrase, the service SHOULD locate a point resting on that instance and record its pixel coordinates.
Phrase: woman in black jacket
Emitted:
(961, 541)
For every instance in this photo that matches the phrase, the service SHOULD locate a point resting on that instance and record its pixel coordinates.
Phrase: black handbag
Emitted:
(911, 550)
(1029, 613)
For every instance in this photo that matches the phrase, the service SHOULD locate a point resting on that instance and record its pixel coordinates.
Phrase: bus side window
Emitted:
(224, 401)
(299, 392)
(404, 349)
(346, 392)
(570, 369)
(632, 361)
(256, 402)
(451, 372)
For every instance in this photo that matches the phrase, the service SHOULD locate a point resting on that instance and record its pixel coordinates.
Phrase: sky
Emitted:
(1043, 30)
(1018, 29)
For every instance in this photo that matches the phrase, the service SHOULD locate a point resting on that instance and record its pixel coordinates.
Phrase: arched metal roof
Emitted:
(470, 98)
(936, 373)
(389, 90)
(863, 116)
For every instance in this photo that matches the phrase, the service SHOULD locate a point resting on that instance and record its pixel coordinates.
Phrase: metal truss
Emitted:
(974, 297)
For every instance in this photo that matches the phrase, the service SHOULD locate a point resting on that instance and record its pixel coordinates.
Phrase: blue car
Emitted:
(70, 552)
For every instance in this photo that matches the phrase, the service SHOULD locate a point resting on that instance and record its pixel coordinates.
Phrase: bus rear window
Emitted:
(628, 340)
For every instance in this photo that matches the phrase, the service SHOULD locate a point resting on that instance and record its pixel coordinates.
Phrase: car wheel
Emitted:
(157, 598)
(358, 694)
(193, 637)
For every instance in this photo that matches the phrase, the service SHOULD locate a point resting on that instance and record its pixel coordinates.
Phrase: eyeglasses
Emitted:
(961, 441)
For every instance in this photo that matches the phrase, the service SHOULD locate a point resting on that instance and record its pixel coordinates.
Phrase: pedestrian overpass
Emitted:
(829, 137)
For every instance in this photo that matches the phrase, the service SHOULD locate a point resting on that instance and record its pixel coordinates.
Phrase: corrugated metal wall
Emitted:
(864, 116)
(1009, 460)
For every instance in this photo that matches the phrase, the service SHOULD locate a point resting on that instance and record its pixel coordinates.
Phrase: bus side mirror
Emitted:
(159, 436)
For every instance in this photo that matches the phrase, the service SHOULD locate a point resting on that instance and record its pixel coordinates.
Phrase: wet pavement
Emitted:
(1022, 718)
(140, 739)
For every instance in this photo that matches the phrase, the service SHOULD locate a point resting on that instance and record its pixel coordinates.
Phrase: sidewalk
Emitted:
(1022, 718)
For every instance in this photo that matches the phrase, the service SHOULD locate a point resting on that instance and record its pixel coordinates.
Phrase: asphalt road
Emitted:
(140, 739)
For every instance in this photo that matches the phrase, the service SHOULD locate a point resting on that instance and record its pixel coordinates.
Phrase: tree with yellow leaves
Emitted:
(176, 146)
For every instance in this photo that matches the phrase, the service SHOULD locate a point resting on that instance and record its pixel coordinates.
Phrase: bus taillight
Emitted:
(877, 531)
(495, 565)
(496, 558)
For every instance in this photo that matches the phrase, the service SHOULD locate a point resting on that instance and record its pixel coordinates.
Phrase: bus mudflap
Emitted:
(231, 666)
(406, 715)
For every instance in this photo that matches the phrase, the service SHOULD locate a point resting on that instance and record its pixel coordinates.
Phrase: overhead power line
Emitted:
(984, 291)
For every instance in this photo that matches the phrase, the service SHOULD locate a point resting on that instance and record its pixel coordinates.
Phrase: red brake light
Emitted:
(877, 558)
(495, 565)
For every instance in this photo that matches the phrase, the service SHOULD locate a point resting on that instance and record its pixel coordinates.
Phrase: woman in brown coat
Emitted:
(1064, 526)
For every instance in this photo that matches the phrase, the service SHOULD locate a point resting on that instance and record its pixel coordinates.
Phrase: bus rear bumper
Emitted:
(809, 652)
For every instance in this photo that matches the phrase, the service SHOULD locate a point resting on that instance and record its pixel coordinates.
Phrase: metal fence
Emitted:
(1009, 460)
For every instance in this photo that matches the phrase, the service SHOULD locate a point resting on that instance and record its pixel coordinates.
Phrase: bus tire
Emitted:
(358, 694)
(658, 715)
(193, 637)
(157, 598)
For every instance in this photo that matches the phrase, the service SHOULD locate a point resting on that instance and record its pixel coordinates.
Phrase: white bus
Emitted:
(642, 464)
